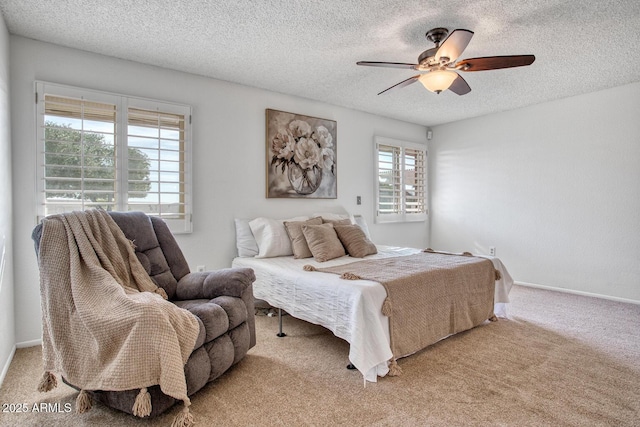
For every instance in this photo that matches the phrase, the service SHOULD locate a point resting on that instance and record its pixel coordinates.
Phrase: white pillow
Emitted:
(245, 242)
(272, 237)
(332, 216)
(359, 220)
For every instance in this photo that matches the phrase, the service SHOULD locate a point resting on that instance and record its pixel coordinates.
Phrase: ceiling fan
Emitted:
(439, 66)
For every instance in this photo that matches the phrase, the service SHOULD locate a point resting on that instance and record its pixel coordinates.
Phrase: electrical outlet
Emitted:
(358, 200)
(200, 268)
(492, 250)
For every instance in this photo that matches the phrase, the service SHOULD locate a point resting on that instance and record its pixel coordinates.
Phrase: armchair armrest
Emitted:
(211, 284)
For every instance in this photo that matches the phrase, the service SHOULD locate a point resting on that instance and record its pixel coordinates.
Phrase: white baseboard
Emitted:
(32, 343)
(5, 368)
(571, 291)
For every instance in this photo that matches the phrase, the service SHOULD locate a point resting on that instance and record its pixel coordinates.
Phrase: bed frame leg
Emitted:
(351, 366)
(280, 333)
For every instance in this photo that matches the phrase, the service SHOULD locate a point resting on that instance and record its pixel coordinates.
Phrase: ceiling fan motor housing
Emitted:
(426, 60)
(425, 57)
(436, 35)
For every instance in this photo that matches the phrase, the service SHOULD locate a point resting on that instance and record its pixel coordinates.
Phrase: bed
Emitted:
(351, 309)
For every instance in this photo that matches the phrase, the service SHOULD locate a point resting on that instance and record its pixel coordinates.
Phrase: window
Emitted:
(115, 152)
(401, 193)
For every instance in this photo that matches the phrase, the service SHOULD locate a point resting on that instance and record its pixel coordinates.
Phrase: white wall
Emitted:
(555, 187)
(229, 156)
(7, 322)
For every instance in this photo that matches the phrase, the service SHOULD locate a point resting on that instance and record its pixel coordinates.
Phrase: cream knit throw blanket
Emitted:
(429, 295)
(106, 325)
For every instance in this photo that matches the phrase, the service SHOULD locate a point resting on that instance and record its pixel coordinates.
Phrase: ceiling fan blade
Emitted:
(386, 64)
(460, 86)
(495, 62)
(403, 83)
(453, 45)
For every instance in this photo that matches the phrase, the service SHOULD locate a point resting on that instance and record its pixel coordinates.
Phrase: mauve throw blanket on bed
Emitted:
(429, 295)
(105, 324)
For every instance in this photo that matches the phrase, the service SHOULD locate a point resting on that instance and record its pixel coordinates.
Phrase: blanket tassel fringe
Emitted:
(184, 418)
(386, 307)
(345, 276)
(394, 369)
(142, 405)
(83, 402)
(48, 382)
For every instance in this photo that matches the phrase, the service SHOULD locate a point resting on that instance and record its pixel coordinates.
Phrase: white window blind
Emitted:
(401, 192)
(79, 154)
(112, 151)
(389, 180)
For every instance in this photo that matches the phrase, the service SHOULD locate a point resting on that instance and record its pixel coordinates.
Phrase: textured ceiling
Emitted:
(310, 48)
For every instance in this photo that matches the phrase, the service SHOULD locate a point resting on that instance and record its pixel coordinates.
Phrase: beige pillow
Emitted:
(323, 242)
(356, 242)
(298, 242)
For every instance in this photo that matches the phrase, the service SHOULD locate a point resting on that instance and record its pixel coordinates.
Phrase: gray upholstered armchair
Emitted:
(222, 301)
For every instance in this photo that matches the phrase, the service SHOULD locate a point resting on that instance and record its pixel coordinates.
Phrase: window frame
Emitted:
(401, 214)
(178, 224)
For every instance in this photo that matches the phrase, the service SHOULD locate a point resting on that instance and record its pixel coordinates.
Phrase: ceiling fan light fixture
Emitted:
(438, 80)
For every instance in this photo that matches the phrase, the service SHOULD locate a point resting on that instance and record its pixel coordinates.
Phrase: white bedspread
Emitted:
(349, 309)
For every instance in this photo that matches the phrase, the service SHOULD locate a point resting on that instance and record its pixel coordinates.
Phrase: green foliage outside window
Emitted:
(81, 165)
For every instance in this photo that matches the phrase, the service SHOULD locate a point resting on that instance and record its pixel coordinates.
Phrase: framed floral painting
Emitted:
(301, 156)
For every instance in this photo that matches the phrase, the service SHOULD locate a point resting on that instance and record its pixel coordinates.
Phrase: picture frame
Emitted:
(301, 159)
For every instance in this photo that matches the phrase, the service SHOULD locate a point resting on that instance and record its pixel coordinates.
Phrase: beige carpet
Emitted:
(559, 360)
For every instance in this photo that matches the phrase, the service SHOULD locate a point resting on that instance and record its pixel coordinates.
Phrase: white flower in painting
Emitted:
(326, 161)
(299, 147)
(323, 137)
(307, 153)
(283, 145)
(299, 128)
